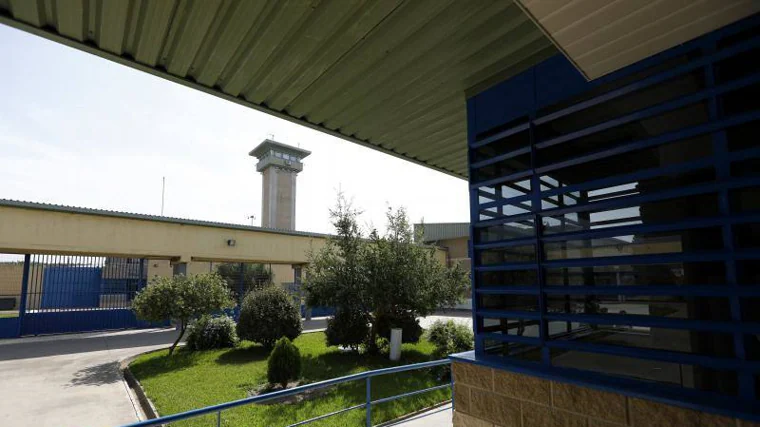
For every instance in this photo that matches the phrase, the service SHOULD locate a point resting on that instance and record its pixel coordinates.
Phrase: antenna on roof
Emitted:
(271, 136)
(163, 192)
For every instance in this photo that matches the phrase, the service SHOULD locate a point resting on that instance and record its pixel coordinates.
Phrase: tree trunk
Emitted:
(372, 344)
(182, 328)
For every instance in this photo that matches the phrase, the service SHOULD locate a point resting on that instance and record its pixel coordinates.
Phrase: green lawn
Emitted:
(190, 380)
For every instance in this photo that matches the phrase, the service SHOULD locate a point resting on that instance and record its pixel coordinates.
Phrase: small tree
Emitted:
(267, 315)
(181, 299)
(390, 279)
(284, 364)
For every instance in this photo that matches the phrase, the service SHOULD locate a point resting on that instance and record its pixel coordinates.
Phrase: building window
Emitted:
(616, 229)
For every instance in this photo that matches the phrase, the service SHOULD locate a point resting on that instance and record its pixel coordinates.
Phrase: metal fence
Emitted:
(54, 293)
(367, 405)
(11, 277)
(59, 283)
(70, 293)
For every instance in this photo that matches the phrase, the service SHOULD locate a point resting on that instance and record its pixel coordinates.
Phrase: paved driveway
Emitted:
(71, 380)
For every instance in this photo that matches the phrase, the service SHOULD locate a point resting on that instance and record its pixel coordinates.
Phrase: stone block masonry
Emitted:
(486, 397)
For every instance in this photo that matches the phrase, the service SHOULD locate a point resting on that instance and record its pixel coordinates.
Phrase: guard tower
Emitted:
(279, 164)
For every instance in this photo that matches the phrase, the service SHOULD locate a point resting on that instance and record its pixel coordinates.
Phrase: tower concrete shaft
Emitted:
(279, 165)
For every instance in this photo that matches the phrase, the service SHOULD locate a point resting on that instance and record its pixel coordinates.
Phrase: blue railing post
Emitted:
(140, 280)
(24, 292)
(452, 386)
(241, 284)
(369, 402)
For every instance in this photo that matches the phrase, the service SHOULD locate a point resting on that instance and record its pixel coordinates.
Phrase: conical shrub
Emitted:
(284, 363)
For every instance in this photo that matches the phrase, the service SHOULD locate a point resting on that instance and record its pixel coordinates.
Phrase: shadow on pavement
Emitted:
(23, 348)
(97, 375)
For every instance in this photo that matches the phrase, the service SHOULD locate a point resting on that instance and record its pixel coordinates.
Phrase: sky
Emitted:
(79, 130)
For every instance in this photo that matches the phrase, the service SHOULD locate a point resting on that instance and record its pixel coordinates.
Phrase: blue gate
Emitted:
(64, 294)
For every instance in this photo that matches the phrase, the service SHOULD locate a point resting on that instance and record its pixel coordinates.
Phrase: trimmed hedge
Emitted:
(267, 315)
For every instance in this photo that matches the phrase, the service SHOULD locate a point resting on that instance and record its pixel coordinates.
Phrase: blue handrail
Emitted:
(217, 409)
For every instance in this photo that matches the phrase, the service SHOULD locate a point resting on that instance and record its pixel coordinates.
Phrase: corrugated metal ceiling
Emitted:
(601, 36)
(442, 231)
(388, 74)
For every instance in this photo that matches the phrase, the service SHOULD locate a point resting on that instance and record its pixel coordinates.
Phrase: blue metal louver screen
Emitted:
(616, 223)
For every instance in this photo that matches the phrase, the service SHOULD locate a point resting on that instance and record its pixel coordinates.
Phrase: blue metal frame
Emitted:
(24, 291)
(62, 294)
(514, 107)
(366, 376)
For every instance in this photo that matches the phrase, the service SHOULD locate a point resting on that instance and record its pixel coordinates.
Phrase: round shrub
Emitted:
(212, 332)
(267, 315)
(284, 363)
(347, 328)
(450, 337)
(411, 331)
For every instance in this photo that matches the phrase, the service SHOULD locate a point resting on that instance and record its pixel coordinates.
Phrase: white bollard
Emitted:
(395, 344)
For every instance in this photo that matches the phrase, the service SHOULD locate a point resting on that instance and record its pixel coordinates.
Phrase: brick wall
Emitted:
(486, 397)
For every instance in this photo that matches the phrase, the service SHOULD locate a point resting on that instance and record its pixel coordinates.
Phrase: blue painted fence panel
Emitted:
(9, 327)
(62, 322)
(71, 287)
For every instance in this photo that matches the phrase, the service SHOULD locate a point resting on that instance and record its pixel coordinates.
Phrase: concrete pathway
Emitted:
(71, 380)
(459, 316)
(438, 417)
(316, 324)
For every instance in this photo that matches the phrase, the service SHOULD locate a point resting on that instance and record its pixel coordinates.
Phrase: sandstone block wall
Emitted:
(486, 397)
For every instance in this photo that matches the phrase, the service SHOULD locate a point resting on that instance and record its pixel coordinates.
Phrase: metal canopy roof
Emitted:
(601, 36)
(390, 74)
(442, 231)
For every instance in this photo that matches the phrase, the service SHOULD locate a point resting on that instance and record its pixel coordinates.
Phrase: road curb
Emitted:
(146, 406)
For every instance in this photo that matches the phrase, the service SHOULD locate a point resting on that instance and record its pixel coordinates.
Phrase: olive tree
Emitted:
(385, 279)
(181, 299)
